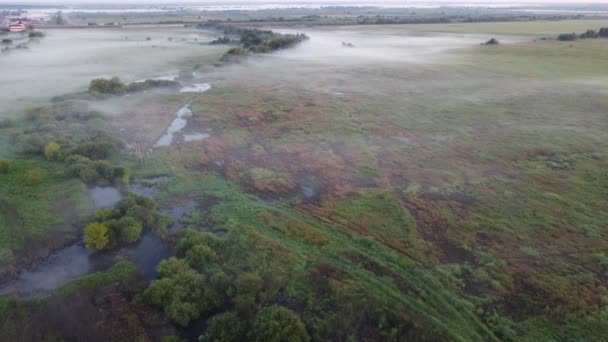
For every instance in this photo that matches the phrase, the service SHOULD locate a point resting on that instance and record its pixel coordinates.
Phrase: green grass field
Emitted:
(33, 211)
(528, 28)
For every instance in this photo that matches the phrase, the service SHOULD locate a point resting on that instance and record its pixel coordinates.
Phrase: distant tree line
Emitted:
(253, 40)
(222, 40)
(124, 223)
(589, 34)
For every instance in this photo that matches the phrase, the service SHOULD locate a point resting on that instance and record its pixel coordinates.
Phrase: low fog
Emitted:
(67, 59)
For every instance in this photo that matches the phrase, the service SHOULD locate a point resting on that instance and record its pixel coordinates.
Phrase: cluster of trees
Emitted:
(97, 171)
(147, 84)
(254, 40)
(283, 41)
(222, 40)
(273, 323)
(234, 54)
(114, 86)
(492, 41)
(69, 133)
(124, 223)
(193, 283)
(589, 34)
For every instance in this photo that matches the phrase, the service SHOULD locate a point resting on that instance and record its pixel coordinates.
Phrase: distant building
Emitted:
(16, 27)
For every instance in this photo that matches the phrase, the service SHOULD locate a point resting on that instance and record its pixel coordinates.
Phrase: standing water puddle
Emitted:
(180, 121)
(196, 88)
(147, 253)
(195, 137)
(177, 212)
(105, 197)
(68, 263)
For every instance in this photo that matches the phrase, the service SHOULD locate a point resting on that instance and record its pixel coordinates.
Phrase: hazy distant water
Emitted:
(114, 6)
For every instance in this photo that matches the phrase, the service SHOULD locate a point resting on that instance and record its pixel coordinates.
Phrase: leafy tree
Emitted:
(96, 236)
(225, 327)
(34, 176)
(5, 166)
(234, 54)
(32, 143)
(180, 292)
(130, 229)
(200, 256)
(52, 150)
(171, 267)
(277, 324)
(248, 286)
(589, 34)
(182, 312)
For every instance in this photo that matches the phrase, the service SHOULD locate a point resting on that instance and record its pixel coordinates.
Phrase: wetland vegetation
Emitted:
(423, 183)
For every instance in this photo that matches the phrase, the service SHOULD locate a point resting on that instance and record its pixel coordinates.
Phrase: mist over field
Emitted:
(66, 60)
(304, 172)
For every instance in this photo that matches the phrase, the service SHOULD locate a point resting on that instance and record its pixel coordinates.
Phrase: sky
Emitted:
(405, 3)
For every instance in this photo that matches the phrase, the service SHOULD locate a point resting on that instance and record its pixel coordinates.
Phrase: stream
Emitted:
(181, 119)
(76, 260)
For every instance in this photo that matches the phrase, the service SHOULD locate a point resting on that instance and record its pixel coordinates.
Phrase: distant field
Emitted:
(542, 59)
(515, 28)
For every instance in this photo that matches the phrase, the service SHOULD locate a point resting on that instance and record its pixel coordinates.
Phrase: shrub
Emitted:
(492, 41)
(130, 229)
(34, 176)
(277, 324)
(234, 54)
(96, 236)
(32, 143)
(181, 292)
(147, 84)
(200, 256)
(5, 166)
(6, 123)
(106, 214)
(112, 86)
(95, 149)
(52, 150)
(226, 327)
(567, 36)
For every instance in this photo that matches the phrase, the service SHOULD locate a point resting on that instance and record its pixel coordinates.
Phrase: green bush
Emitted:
(112, 86)
(34, 177)
(181, 292)
(52, 150)
(225, 327)
(277, 324)
(5, 166)
(96, 236)
(130, 229)
(200, 256)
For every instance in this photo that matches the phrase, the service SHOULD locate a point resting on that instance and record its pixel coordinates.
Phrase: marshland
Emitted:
(439, 174)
